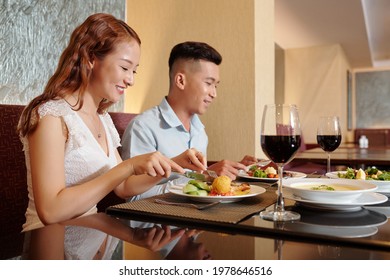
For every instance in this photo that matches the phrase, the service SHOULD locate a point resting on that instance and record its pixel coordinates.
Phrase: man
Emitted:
(174, 126)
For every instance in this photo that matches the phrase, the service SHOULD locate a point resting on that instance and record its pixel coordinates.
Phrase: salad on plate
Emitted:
(375, 176)
(371, 173)
(268, 173)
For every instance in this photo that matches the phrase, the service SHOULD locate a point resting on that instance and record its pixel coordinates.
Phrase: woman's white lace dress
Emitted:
(84, 160)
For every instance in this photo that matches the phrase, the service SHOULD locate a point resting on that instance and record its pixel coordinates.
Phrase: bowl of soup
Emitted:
(329, 190)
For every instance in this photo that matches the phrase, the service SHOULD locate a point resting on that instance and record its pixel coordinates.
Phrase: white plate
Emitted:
(293, 174)
(344, 190)
(383, 186)
(255, 190)
(370, 198)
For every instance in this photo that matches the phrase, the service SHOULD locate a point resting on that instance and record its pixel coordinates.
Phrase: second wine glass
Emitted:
(329, 136)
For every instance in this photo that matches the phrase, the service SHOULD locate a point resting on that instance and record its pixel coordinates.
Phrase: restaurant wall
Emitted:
(33, 34)
(243, 33)
(316, 81)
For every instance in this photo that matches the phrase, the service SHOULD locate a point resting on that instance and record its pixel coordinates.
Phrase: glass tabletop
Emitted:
(360, 233)
(364, 227)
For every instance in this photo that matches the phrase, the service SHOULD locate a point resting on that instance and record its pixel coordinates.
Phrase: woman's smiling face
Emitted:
(113, 74)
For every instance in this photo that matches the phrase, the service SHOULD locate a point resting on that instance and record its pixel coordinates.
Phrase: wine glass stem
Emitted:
(279, 206)
(328, 163)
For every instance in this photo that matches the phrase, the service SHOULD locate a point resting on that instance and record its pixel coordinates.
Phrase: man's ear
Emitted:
(180, 80)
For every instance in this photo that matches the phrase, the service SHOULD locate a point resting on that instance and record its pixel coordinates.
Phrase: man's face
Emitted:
(202, 78)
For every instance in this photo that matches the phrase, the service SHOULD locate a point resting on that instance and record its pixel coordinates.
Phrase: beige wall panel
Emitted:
(228, 25)
(316, 81)
(264, 64)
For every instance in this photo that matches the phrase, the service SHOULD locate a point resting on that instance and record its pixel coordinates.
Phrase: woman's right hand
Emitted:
(155, 238)
(154, 164)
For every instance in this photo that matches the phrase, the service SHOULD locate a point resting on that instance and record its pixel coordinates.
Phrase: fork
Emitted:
(199, 207)
(262, 162)
(212, 173)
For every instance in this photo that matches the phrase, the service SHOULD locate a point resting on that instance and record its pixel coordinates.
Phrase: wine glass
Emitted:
(280, 139)
(329, 135)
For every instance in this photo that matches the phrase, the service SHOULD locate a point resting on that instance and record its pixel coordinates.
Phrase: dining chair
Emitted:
(13, 183)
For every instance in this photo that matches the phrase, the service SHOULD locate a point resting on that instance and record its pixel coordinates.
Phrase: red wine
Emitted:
(329, 143)
(280, 148)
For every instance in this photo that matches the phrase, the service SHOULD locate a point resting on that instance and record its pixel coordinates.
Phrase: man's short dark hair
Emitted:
(194, 51)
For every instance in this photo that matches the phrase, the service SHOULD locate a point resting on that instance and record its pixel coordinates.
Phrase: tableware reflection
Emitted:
(97, 236)
(355, 224)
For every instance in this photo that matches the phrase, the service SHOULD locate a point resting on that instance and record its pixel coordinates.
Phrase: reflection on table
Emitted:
(98, 236)
(363, 233)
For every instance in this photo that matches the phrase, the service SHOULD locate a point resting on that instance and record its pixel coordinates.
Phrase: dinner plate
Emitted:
(316, 189)
(370, 198)
(292, 174)
(178, 190)
(383, 186)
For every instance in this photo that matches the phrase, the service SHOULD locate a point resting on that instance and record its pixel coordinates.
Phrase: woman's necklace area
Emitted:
(95, 122)
(98, 128)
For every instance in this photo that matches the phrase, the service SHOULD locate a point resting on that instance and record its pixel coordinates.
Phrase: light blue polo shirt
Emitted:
(159, 129)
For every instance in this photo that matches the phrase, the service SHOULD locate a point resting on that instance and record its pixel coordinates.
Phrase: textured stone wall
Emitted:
(373, 99)
(33, 34)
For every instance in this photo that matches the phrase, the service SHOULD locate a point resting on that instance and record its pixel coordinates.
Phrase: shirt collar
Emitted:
(172, 120)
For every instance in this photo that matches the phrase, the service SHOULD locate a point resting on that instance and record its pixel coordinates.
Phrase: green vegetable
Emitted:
(200, 185)
(189, 188)
(253, 167)
(202, 193)
(349, 174)
(323, 188)
(385, 176)
(371, 170)
(196, 176)
(196, 187)
(260, 174)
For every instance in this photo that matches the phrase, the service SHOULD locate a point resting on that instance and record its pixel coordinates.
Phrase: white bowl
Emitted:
(345, 190)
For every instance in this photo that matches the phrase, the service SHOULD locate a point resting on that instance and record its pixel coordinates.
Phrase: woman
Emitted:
(69, 139)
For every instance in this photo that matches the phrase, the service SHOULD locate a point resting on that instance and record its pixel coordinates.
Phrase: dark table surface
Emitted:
(360, 234)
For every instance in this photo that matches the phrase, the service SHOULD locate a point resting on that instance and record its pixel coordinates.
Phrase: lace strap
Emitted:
(56, 108)
(116, 141)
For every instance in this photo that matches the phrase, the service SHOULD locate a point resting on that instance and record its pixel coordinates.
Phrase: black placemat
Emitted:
(223, 213)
